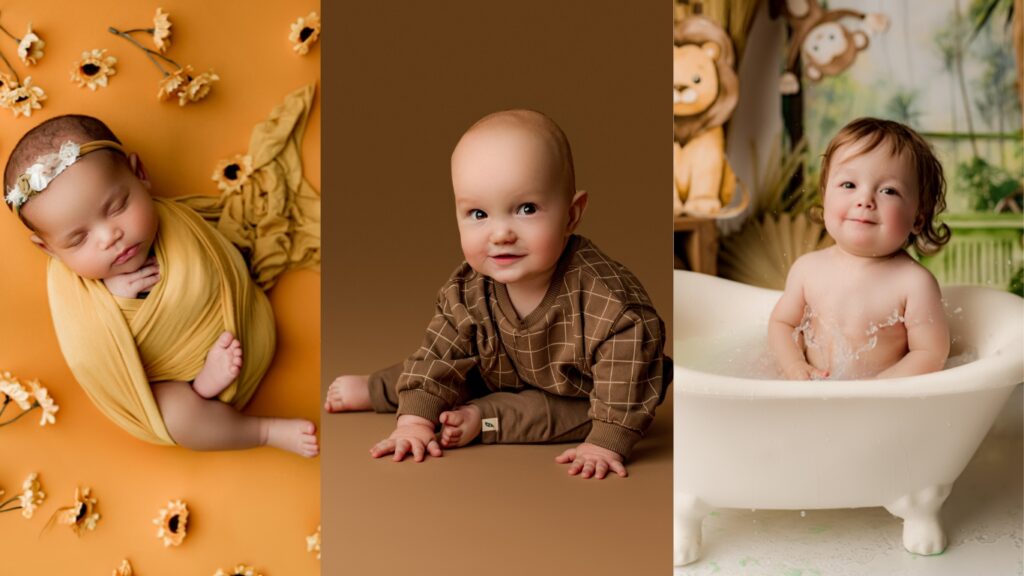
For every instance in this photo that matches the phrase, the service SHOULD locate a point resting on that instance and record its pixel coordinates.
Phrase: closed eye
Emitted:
(526, 209)
(75, 241)
(119, 206)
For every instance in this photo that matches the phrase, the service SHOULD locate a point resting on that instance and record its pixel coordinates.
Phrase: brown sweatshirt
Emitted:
(595, 334)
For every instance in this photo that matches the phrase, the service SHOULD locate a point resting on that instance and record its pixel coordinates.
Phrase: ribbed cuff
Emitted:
(422, 404)
(613, 437)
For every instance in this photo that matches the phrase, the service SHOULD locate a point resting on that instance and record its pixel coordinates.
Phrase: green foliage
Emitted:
(1017, 282)
(986, 184)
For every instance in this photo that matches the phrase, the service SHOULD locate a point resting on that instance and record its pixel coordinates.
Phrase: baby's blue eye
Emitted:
(477, 214)
(527, 209)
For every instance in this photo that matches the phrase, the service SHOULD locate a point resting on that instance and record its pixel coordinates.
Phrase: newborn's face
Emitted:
(511, 204)
(97, 217)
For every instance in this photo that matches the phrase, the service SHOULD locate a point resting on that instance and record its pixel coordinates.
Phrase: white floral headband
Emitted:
(38, 176)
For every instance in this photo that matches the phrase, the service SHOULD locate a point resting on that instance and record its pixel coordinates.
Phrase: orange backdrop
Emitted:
(254, 507)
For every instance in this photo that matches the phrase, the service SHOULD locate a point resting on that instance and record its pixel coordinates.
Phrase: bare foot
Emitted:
(223, 365)
(294, 435)
(460, 426)
(349, 394)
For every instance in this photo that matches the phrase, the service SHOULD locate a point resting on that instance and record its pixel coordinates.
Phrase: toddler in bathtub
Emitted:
(864, 308)
(538, 336)
(151, 305)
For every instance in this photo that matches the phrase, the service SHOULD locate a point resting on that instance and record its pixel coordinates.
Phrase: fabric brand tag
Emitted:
(489, 425)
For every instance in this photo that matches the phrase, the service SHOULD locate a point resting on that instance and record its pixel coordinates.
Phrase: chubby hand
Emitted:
(413, 435)
(130, 284)
(804, 371)
(591, 460)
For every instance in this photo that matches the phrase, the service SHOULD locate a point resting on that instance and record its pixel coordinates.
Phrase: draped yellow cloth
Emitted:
(274, 218)
(116, 347)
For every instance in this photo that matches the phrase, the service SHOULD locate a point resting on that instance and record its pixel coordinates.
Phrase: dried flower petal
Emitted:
(305, 31)
(172, 522)
(93, 69)
(30, 49)
(161, 30)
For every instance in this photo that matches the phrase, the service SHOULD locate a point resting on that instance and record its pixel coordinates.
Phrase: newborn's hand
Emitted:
(413, 435)
(592, 460)
(804, 371)
(131, 284)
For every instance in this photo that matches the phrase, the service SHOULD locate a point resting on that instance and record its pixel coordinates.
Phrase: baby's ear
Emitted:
(41, 244)
(138, 169)
(918, 224)
(576, 209)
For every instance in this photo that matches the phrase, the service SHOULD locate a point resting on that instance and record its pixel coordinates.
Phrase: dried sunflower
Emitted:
(30, 47)
(24, 99)
(93, 69)
(125, 569)
(305, 31)
(231, 175)
(32, 495)
(46, 404)
(161, 30)
(82, 514)
(240, 570)
(313, 543)
(172, 82)
(7, 83)
(171, 523)
(197, 88)
(12, 389)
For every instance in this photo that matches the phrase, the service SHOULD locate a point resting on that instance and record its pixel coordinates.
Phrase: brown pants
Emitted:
(530, 416)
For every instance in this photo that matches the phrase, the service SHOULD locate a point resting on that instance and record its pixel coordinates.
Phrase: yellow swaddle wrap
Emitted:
(116, 347)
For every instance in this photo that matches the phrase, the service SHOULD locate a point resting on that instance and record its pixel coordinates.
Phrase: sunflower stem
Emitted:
(11, 68)
(18, 417)
(15, 38)
(149, 53)
(6, 502)
(7, 400)
(146, 30)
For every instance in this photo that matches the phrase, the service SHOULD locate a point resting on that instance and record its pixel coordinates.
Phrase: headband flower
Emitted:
(38, 176)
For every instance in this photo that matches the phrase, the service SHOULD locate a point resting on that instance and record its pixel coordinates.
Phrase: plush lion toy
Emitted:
(704, 95)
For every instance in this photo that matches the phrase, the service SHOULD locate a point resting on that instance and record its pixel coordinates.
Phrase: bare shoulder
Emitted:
(812, 262)
(914, 276)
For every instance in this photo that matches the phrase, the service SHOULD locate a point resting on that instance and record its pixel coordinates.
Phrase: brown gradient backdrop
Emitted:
(402, 81)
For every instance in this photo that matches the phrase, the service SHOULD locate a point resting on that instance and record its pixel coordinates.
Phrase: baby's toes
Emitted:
(225, 339)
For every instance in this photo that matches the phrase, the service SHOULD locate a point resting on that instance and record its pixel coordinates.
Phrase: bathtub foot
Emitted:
(689, 515)
(922, 531)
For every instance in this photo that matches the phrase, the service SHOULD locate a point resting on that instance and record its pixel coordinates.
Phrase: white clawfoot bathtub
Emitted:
(776, 444)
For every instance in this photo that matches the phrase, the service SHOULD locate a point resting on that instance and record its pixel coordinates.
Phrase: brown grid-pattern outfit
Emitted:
(595, 338)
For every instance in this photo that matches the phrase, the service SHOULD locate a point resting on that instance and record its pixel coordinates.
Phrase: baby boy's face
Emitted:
(871, 200)
(97, 217)
(511, 203)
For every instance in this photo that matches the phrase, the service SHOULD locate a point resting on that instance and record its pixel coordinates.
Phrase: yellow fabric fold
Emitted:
(274, 218)
(116, 347)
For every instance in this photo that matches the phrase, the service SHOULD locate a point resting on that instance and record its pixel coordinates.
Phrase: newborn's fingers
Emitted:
(417, 450)
(401, 449)
(602, 470)
(383, 447)
(575, 467)
(588, 469)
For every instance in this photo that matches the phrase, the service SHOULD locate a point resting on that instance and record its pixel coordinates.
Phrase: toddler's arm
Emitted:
(786, 316)
(927, 330)
(131, 284)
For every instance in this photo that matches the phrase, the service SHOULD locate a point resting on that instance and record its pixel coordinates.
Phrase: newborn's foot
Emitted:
(223, 365)
(348, 394)
(294, 435)
(460, 426)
